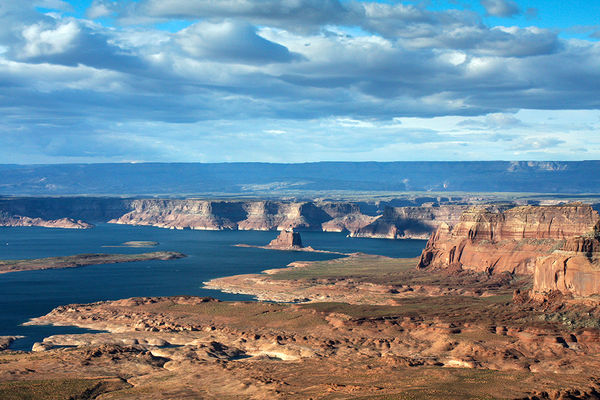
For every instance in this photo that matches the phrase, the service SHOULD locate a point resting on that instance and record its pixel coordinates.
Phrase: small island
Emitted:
(291, 241)
(81, 260)
(140, 243)
(136, 243)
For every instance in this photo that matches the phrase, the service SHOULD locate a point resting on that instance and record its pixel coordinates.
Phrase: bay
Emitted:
(211, 254)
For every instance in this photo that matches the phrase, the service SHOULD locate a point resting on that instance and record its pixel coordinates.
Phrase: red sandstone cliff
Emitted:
(556, 244)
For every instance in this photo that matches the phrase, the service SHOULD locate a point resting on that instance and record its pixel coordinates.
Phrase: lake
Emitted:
(211, 254)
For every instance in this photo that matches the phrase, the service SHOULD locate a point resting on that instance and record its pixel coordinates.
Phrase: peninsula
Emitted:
(81, 260)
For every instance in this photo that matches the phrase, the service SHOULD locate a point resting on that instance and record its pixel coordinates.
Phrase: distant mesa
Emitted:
(287, 239)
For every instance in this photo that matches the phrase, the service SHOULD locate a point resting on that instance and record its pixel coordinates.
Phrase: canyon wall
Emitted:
(90, 209)
(393, 223)
(557, 245)
(410, 222)
(377, 219)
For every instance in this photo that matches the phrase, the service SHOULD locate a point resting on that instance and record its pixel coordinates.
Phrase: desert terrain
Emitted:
(450, 324)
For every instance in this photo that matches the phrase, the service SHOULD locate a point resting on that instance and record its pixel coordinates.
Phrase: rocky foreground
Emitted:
(423, 347)
(368, 326)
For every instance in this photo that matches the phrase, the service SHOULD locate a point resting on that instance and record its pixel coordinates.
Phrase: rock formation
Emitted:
(575, 269)
(19, 220)
(410, 222)
(287, 240)
(396, 218)
(394, 223)
(558, 245)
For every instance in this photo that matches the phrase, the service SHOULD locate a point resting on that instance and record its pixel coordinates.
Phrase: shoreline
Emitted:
(307, 249)
(82, 260)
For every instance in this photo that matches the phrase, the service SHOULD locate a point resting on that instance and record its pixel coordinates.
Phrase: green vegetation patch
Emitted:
(398, 272)
(81, 260)
(362, 267)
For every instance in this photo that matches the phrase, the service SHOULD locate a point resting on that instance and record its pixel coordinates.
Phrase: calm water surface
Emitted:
(211, 254)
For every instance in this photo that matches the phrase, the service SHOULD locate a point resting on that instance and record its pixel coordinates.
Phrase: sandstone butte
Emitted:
(287, 240)
(558, 245)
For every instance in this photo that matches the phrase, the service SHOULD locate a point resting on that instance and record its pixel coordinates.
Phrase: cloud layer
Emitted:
(78, 87)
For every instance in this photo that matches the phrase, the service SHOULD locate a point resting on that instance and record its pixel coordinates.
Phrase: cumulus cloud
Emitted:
(101, 8)
(231, 41)
(42, 41)
(302, 63)
(501, 8)
(68, 42)
(297, 14)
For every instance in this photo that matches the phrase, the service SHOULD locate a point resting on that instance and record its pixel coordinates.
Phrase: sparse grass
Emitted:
(458, 308)
(450, 383)
(362, 267)
(59, 389)
(397, 272)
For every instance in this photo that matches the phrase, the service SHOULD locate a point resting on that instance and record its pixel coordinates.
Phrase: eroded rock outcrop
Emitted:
(394, 223)
(410, 222)
(287, 240)
(19, 220)
(558, 245)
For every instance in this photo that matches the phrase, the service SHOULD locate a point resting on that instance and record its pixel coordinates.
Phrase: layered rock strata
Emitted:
(410, 222)
(558, 245)
(394, 223)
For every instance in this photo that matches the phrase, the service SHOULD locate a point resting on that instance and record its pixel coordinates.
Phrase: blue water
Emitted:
(211, 254)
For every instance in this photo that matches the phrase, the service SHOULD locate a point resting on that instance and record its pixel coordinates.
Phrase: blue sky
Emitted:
(298, 80)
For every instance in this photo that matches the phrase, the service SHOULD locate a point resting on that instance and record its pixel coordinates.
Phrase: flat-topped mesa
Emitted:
(509, 240)
(287, 239)
(558, 245)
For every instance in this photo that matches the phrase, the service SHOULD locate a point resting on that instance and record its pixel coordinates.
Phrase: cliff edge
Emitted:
(557, 245)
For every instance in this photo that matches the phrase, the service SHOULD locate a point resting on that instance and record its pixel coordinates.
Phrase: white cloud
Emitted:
(231, 41)
(42, 40)
(101, 8)
(501, 8)
(376, 80)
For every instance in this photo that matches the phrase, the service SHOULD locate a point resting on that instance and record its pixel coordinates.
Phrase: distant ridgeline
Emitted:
(249, 178)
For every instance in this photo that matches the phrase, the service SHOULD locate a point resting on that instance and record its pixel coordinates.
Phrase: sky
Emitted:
(298, 80)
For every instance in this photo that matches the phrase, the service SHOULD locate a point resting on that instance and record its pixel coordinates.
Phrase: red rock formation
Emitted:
(555, 244)
(287, 240)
